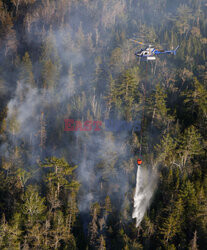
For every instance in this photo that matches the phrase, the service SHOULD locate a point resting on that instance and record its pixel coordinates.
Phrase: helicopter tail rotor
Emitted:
(176, 50)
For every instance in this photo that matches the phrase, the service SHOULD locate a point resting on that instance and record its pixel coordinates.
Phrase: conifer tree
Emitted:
(60, 174)
(197, 98)
(166, 150)
(72, 208)
(102, 243)
(161, 111)
(26, 74)
(193, 243)
(23, 176)
(9, 35)
(189, 144)
(10, 233)
(108, 207)
(42, 131)
(93, 226)
(33, 208)
(70, 85)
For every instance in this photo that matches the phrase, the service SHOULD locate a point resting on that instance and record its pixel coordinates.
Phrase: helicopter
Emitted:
(150, 53)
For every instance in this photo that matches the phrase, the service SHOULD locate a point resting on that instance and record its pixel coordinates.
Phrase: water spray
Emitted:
(145, 185)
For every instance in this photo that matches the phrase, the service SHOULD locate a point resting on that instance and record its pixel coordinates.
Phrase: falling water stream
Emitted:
(143, 193)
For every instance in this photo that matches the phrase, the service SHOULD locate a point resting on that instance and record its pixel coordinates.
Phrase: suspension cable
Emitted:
(142, 123)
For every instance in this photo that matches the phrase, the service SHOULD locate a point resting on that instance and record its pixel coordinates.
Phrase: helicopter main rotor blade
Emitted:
(137, 41)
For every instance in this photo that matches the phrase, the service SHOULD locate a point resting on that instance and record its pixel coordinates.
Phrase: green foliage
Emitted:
(197, 98)
(33, 207)
(172, 224)
(61, 171)
(13, 124)
(24, 176)
(166, 150)
(108, 207)
(124, 94)
(190, 144)
(10, 233)
(26, 75)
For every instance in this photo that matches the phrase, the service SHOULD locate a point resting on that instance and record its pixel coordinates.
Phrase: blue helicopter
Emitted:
(150, 53)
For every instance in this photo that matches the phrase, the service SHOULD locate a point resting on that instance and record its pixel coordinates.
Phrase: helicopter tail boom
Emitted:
(171, 52)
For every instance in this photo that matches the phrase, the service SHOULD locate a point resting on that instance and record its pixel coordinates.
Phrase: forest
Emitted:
(73, 59)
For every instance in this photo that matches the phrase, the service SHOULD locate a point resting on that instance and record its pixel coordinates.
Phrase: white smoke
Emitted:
(145, 186)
